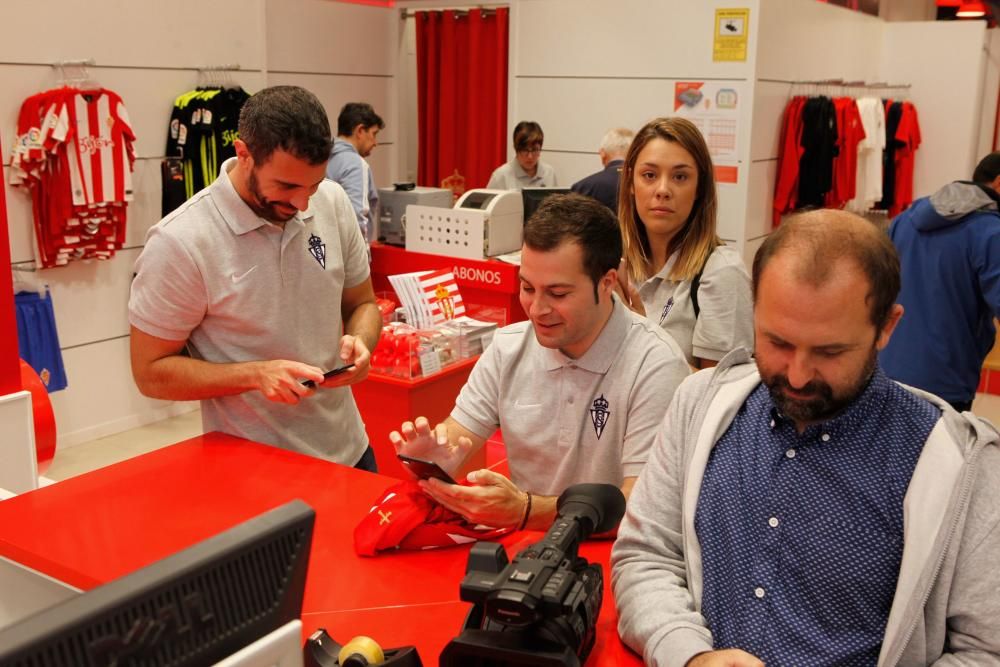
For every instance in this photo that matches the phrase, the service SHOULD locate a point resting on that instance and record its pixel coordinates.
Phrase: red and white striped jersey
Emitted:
(98, 135)
(74, 156)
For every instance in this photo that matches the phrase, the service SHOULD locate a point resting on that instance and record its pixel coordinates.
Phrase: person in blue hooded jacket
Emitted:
(357, 135)
(949, 251)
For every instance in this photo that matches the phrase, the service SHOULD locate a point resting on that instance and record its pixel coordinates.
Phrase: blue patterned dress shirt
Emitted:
(802, 534)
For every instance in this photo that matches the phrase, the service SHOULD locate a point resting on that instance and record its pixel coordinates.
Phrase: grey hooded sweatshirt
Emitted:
(946, 609)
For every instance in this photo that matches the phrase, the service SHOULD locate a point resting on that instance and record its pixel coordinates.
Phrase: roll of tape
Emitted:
(361, 651)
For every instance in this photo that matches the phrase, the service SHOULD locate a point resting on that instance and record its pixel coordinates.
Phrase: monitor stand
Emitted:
(281, 648)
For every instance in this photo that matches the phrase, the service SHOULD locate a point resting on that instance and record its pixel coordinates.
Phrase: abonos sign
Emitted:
(478, 276)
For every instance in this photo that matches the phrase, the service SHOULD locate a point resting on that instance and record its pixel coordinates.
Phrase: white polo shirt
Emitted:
(724, 299)
(239, 288)
(511, 176)
(567, 421)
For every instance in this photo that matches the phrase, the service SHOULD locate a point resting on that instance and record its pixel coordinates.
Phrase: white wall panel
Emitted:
(769, 103)
(944, 61)
(101, 398)
(570, 167)
(144, 211)
(19, 220)
(991, 85)
(384, 162)
(802, 39)
(334, 91)
(626, 38)
(323, 36)
(81, 289)
(576, 112)
(732, 208)
(760, 198)
(178, 33)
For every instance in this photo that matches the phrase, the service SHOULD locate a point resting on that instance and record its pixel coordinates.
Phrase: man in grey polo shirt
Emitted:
(578, 390)
(263, 277)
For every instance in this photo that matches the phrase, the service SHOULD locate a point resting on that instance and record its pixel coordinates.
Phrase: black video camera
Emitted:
(541, 609)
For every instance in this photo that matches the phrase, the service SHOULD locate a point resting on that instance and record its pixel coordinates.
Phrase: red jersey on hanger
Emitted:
(908, 140)
(789, 153)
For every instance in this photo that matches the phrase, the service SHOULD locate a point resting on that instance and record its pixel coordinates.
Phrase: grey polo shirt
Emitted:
(239, 288)
(567, 421)
(725, 300)
(511, 176)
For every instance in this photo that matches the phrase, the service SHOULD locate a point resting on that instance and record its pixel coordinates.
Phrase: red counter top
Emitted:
(104, 524)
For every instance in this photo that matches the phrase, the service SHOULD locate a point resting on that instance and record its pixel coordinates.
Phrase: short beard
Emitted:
(822, 405)
(261, 205)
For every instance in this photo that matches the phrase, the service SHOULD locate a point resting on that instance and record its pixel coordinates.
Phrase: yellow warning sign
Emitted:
(732, 27)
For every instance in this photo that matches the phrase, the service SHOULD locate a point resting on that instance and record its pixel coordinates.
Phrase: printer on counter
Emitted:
(483, 223)
(392, 203)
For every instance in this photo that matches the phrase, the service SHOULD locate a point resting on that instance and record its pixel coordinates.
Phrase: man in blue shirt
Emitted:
(802, 508)
(357, 135)
(949, 252)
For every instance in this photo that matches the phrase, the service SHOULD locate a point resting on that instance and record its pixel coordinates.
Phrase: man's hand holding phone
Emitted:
(417, 440)
(356, 355)
(327, 375)
(422, 469)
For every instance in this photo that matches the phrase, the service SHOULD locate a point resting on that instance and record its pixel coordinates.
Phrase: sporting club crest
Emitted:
(599, 415)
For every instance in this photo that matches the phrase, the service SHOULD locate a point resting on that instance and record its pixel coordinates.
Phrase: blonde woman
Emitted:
(684, 276)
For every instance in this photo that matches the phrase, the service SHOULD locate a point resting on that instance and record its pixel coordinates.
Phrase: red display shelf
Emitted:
(486, 282)
(386, 401)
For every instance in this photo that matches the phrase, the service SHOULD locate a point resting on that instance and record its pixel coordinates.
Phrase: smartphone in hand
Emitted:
(327, 375)
(425, 469)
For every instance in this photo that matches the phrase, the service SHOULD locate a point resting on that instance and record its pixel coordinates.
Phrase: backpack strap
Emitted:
(695, 283)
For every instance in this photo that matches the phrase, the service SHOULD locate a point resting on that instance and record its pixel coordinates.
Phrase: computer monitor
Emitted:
(533, 197)
(230, 597)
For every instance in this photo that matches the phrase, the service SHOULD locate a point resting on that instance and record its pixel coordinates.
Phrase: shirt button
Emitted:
(570, 400)
(773, 522)
(790, 453)
(759, 592)
(825, 437)
(772, 423)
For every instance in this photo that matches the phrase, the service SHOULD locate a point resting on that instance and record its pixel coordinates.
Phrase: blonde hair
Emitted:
(697, 238)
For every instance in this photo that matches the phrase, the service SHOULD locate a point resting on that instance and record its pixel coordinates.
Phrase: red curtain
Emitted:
(462, 94)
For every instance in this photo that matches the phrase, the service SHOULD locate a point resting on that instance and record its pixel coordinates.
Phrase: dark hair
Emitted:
(987, 169)
(528, 134)
(821, 238)
(577, 219)
(289, 118)
(354, 114)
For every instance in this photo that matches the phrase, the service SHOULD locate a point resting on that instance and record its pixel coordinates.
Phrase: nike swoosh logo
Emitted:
(237, 278)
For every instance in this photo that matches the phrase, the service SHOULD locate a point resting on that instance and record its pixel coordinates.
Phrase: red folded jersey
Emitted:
(405, 517)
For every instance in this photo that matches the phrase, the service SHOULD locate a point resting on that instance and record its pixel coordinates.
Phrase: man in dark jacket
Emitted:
(603, 186)
(949, 251)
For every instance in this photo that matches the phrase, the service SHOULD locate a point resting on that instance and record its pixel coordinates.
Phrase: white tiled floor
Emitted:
(105, 451)
(98, 453)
